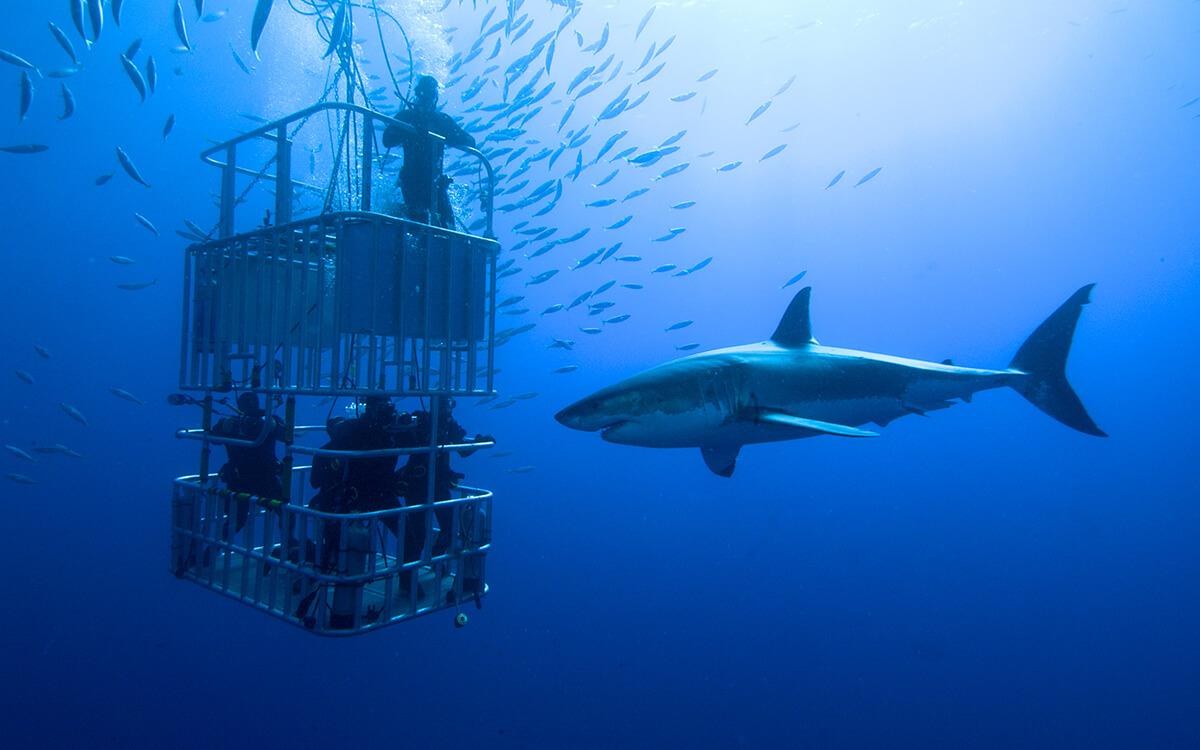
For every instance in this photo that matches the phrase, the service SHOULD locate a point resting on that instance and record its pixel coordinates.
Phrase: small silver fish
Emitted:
(68, 102)
(673, 170)
(134, 286)
(238, 59)
(651, 74)
(758, 112)
(794, 279)
(180, 27)
(26, 95)
(24, 148)
(773, 152)
(63, 41)
(77, 19)
(125, 395)
(868, 176)
(835, 179)
(42, 351)
(522, 470)
(145, 222)
(73, 413)
(121, 259)
(127, 163)
(541, 278)
(680, 324)
(66, 72)
(135, 76)
(24, 376)
(645, 20)
(564, 370)
(687, 347)
(20, 479)
(607, 179)
(20, 62)
(19, 453)
(96, 16)
(785, 86)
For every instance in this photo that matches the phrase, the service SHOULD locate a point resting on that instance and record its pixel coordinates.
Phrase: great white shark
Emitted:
(791, 387)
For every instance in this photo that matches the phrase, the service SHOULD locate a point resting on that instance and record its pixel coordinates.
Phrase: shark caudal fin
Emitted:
(1043, 357)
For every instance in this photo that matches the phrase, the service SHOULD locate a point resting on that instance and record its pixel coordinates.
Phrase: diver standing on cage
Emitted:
(254, 469)
(421, 180)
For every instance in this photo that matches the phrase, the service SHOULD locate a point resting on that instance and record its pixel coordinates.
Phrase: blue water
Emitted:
(985, 577)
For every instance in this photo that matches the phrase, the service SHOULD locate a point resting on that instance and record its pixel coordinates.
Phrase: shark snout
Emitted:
(583, 416)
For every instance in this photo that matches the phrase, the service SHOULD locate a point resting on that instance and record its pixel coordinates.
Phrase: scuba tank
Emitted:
(355, 544)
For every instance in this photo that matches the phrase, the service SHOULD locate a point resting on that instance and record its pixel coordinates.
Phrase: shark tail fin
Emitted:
(1043, 358)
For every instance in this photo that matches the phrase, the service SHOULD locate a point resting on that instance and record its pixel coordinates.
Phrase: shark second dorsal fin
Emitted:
(795, 328)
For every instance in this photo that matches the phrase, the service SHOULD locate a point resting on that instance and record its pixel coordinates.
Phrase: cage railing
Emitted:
(350, 137)
(330, 573)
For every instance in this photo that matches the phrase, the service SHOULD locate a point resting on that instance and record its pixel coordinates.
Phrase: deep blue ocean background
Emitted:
(983, 578)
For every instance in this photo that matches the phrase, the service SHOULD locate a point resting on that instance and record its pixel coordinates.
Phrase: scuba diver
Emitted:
(362, 485)
(421, 177)
(414, 479)
(250, 470)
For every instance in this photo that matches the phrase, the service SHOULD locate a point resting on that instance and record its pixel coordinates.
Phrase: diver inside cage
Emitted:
(252, 471)
(414, 479)
(360, 485)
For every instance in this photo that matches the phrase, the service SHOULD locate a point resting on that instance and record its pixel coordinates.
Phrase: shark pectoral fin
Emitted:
(720, 459)
(813, 425)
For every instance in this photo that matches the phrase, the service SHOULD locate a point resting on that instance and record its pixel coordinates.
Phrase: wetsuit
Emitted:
(415, 485)
(250, 470)
(422, 169)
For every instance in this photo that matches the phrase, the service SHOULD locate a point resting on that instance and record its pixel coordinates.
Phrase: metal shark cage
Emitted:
(340, 299)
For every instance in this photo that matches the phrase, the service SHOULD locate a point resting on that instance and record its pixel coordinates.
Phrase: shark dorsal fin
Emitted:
(795, 328)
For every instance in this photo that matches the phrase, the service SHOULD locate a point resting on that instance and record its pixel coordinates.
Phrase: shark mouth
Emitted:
(611, 428)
